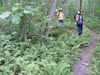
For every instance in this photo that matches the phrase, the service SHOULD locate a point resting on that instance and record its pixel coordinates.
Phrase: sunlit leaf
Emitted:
(27, 11)
(15, 19)
(5, 15)
(14, 8)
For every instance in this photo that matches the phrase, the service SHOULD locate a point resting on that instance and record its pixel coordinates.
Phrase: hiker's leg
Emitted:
(59, 23)
(79, 30)
(62, 21)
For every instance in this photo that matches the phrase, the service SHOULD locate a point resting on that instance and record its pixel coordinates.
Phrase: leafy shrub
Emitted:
(93, 23)
(55, 58)
(58, 31)
(2, 9)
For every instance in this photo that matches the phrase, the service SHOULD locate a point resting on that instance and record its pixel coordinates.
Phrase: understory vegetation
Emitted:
(93, 23)
(26, 50)
(96, 61)
(54, 58)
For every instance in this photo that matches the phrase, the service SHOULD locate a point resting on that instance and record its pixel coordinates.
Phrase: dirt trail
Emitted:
(83, 65)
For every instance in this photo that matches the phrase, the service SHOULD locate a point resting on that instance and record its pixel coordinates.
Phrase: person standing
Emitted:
(60, 16)
(79, 22)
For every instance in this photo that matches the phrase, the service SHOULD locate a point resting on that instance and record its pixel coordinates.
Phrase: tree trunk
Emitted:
(90, 7)
(41, 26)
(24, 24)
(52, 13)
(44, 7)
(67, 3)
(77, 5)
(24, 28)
(41, 35)
(1, 2)
(80, 5)
(9, 3)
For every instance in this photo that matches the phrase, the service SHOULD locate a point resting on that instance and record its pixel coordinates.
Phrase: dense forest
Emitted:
(31, 43)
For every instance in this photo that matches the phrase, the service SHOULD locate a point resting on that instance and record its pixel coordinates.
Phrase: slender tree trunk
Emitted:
(90, 7)
(41, 28)
(24, 28)
(1, 2)
(67, 2)
(80, 5)
(9, 4)
(9, 8)
(24, 24)
(41, 35)
(93, 8)
(77, 5)
(52, 13)
(44, 7)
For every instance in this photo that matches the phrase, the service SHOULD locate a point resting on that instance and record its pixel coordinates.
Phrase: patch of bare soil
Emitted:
(83, 65)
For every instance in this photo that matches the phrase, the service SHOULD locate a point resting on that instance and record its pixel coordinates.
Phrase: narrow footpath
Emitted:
(83, 65)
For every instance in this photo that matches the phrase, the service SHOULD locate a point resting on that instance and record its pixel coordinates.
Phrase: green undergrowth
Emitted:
(93, 23)
(54, 58)
(56, 32)
(2, 9)
(96, 61)
(67, 23)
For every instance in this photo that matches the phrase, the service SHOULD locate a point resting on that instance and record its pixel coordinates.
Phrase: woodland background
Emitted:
(30, 43)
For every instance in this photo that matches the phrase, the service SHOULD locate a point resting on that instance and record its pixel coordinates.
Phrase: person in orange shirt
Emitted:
(60, 16)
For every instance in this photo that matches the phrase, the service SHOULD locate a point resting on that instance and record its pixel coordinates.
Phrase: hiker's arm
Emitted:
(77, 17)
(57, 14)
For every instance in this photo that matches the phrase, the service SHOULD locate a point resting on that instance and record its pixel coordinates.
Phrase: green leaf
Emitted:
(5, 15)
(27, 12)
(15, 19)
(20, 14)
(14, 9)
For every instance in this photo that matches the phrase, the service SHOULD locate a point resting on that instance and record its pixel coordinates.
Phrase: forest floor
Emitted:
(83, 65)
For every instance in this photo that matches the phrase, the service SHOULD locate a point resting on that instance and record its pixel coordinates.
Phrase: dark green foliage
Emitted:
(97, 7)
(2, 9)
(58, 53)
(59, 31)
(2, 62)
(93, 23)
(55, 58)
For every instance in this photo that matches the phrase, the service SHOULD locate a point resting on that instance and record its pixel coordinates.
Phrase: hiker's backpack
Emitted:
(80, 21)
(75, 16)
